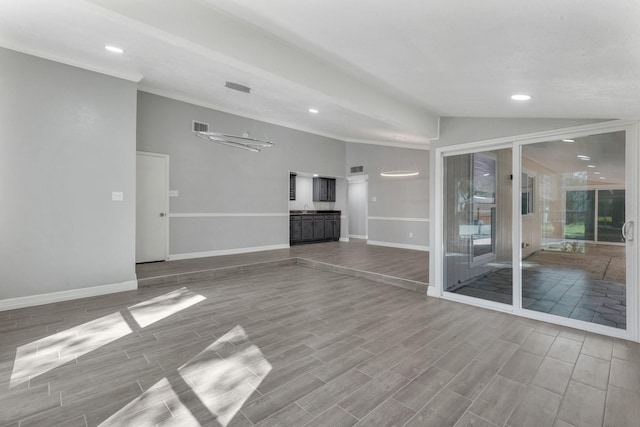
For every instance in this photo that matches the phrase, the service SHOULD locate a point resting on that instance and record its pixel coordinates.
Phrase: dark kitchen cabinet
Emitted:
(328, 227)
(318, 228)
(336, 227)
(312, 227)
(292, 186)
(295, 229)
(307, 229)
(324, 190)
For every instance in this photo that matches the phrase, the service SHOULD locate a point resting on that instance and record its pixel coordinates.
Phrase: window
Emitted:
(528, 184)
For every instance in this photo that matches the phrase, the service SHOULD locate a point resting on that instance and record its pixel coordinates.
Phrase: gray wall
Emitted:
(215, 179)
(397, 199)
(67, 141)
(456, 130)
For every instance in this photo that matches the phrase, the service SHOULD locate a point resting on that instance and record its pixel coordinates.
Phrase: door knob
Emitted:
(162, 214)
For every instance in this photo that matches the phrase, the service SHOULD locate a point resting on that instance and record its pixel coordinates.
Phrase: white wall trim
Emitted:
(344, 239)
(235, 251)
(399, 245)
(48, 298)
(225, 215)
(397, 218)
(358, 236)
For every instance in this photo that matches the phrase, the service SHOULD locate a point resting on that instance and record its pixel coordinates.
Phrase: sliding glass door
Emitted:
(477, 212)
(574, 240)
(543, 227)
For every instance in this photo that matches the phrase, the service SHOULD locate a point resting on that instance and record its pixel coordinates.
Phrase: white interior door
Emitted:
(152, 207)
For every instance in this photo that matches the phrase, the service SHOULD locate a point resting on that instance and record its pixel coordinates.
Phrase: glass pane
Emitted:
(611, 207)
(566, 271)
(483, 205)
(477, 196)
(580, 210)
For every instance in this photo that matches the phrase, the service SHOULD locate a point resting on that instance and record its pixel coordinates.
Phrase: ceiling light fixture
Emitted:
(238, 141)
(591, 166)
(596, 173)
(568, 140)
(520, 97)
(315, 175)
(583, 157)
(399, 173)
(114, 49)
(313, 111)
(602, 177)
(244, 141)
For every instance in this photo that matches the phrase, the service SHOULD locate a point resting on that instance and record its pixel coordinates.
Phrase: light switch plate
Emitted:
(173, 193)
(117, 196)
(374, 199)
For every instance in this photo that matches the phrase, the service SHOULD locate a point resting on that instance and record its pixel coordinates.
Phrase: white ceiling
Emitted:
(378, 71)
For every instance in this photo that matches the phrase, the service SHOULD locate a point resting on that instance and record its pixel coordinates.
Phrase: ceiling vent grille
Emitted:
(238, 87)
(200, 127)
(357, 169)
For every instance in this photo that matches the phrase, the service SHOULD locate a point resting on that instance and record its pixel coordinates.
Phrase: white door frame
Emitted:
(436, 275)
(166, 204)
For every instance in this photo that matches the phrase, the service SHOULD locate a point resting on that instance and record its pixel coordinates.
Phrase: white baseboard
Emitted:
(40, 299)
(431, 291)
(191, 255)
(359, 236)
(399, 245)
(344, 239)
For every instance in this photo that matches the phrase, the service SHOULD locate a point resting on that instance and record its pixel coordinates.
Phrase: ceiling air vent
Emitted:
(200, 127)
(238, 87)
(357, 169)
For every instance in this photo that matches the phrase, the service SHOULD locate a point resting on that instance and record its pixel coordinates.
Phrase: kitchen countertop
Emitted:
(314, 212)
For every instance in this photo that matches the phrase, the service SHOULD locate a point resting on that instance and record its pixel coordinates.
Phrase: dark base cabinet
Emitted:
(314, 227)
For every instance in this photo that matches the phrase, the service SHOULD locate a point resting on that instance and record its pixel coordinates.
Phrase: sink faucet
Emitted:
(305, 207)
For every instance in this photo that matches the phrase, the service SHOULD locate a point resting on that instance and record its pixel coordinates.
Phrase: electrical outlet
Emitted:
(117, 196)
(411, 235)
(374, 199)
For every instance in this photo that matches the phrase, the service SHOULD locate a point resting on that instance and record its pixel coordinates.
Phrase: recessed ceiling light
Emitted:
(602, 177)
(114, 49)
(568, 140)
(313, 110)
(591, 166)
(583, 157)
(596, 173)
(520, 97)
(315, 175)
(486, 174)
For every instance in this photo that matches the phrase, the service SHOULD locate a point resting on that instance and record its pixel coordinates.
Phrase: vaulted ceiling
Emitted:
(377, 71)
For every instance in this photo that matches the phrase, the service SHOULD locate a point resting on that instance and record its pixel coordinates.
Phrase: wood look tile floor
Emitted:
(295, 346)
(355, 254)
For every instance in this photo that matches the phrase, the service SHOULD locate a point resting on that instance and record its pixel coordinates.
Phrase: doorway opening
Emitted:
(357, 209)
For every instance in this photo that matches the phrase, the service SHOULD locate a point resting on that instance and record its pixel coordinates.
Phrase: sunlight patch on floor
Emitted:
(212, 388)
(163, 306)
(40, 356)
(37, 357)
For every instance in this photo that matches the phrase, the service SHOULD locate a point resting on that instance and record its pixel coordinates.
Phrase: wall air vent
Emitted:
(200, 127)
(238, 87)
(357, 169)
